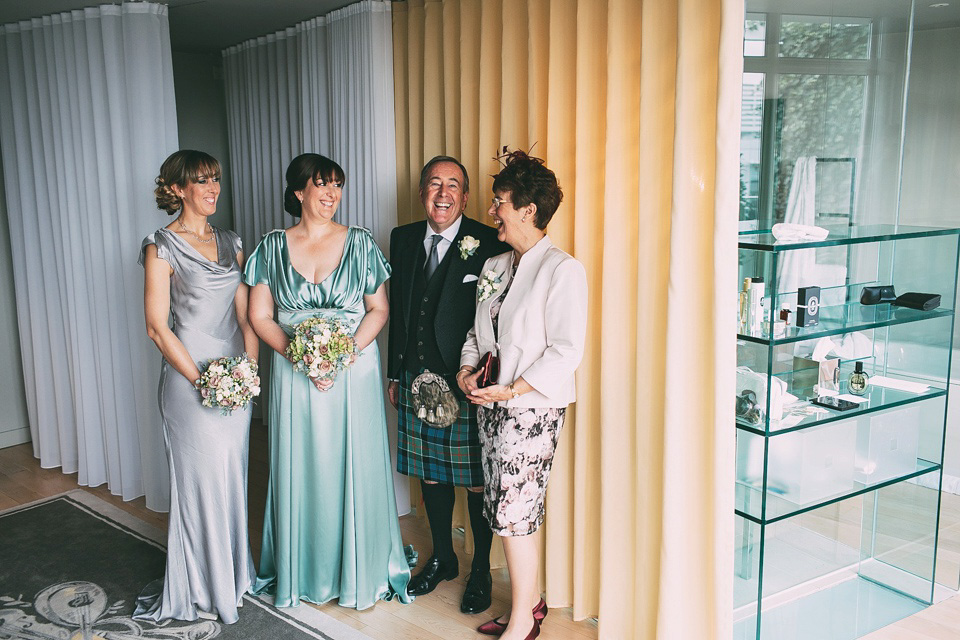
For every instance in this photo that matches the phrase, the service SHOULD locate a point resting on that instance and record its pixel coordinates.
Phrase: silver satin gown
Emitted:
(209, 566)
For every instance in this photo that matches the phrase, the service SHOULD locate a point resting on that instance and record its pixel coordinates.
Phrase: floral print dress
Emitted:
(518, 446)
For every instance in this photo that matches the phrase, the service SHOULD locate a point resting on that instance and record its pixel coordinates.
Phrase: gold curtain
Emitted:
(636, 107)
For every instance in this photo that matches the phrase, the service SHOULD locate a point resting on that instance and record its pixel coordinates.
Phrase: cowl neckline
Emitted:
(191, 252)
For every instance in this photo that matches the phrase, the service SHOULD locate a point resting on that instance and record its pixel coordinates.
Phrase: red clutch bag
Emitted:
(489, 367)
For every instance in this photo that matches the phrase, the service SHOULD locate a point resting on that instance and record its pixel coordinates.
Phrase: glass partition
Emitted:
(848, 125)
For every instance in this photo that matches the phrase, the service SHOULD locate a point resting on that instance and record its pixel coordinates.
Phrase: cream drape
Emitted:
(635, 106)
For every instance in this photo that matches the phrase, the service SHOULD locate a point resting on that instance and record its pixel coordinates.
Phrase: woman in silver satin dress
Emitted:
(193, 271)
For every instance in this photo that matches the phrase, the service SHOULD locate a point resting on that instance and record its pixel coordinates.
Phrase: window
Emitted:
(827, 38)
(806, 83)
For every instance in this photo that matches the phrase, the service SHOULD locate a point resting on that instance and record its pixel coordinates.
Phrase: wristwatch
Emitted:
(513, 391)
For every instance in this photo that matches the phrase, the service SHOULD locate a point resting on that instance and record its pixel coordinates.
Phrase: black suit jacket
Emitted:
(457, 302)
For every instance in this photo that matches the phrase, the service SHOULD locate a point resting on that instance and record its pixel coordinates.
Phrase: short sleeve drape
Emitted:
(163, 248)
(378, 269)
(256, 270)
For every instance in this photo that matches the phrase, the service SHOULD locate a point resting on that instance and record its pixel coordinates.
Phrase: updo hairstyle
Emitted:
(529, 181)
(180, 168)
(308, 166)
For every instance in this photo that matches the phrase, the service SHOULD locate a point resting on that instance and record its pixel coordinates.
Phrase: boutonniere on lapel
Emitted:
(489, 285)
(468, 246)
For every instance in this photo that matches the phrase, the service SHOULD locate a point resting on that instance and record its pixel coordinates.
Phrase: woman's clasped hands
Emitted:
(322, 384)
(467, 381)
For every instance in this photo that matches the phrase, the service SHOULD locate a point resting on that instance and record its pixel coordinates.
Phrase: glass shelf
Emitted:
(846, 318)
(842, 235)
(877, 398)
(749, 496)
(822, 495)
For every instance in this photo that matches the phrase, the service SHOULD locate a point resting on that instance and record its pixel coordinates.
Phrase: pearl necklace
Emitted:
(199, 239)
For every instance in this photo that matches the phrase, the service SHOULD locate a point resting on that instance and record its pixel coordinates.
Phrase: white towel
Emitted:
(787, 232)
(798, 268)
(801, 203)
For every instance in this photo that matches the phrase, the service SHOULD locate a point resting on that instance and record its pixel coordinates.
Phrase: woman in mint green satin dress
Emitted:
(330, 529)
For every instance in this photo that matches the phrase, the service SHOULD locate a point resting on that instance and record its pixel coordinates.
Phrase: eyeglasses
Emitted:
(497, 201)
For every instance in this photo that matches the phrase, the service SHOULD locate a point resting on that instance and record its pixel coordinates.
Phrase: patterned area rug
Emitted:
(71, 566)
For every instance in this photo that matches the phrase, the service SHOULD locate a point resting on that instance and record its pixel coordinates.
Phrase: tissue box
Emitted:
(812, 464)
(806, 373)
(887, 445)
(809, 373)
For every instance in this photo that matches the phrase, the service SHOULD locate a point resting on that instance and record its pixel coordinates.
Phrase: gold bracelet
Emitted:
(513, 391)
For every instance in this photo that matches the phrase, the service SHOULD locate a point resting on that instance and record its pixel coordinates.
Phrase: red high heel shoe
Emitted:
(496, 628)
(535, 631)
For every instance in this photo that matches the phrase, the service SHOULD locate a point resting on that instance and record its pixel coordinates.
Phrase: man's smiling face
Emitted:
(443, 196)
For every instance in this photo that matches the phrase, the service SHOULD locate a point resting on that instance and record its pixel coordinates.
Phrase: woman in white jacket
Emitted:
(532, 314)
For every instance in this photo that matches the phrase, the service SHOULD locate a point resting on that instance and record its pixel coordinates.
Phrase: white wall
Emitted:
(202, 120)
(14, 423)
(202, 125)
(931, 162)
(930, 192)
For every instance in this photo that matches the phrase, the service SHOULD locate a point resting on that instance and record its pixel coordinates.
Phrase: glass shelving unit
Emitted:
(837, 510)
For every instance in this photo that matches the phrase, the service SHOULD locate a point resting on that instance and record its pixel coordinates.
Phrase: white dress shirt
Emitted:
(447, 237)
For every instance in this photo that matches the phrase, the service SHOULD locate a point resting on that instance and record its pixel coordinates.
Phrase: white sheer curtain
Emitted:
(324, 86)
(87, 115)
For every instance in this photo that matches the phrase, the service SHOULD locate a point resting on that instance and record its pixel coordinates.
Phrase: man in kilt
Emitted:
(436, 264)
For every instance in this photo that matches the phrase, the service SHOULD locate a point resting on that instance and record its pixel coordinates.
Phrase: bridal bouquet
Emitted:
(228, 383)
(322, 347)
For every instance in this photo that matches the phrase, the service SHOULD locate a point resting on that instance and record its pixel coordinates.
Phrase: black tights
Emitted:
(438, 499)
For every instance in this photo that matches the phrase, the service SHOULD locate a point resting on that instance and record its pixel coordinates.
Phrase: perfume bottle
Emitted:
(859, 381)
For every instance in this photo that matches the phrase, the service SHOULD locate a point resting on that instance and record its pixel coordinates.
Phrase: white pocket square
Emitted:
(470, 278)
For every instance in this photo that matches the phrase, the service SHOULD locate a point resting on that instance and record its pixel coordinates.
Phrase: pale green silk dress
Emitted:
(330, 529)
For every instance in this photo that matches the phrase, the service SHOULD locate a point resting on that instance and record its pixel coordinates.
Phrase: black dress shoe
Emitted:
(433, 573)
(476, 597)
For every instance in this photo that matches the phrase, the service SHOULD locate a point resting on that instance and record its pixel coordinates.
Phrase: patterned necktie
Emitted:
(433, 260)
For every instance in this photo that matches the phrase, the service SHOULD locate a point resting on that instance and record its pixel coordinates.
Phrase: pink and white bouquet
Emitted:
(229, 383)
(322, 347)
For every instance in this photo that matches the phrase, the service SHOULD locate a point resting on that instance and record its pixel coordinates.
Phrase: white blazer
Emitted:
(542, 324)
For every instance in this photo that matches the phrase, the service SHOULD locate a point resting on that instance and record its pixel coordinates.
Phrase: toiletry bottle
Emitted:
(781, 321)
(859, 380)
(755, 302)
(744, 305)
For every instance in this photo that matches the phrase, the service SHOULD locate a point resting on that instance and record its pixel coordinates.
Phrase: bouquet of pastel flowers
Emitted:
(322, 347)
(228, 383)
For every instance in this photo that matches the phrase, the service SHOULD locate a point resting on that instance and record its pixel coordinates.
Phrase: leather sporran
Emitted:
(433, 401)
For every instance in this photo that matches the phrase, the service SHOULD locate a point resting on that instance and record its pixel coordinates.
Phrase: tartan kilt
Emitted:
(448, 455)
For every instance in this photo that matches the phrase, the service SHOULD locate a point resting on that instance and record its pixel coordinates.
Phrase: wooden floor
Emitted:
(432, 617)
(939, 622)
